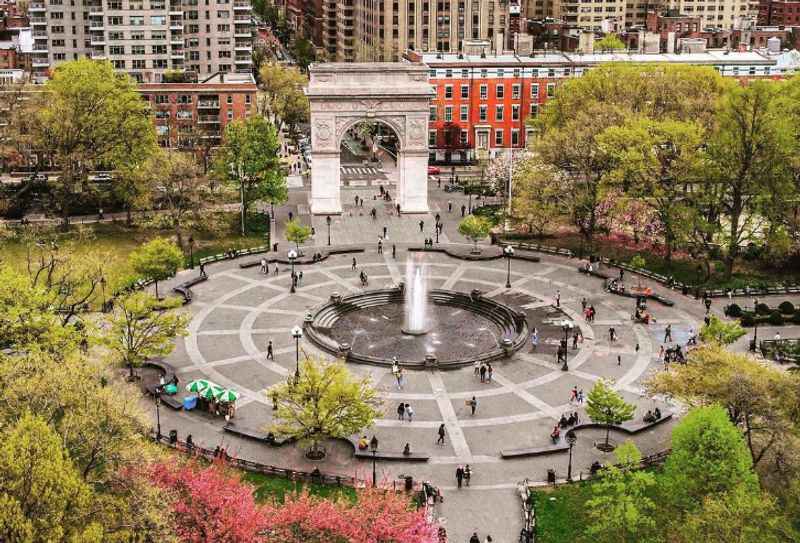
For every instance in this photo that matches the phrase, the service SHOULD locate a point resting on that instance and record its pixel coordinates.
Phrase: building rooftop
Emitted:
(557, 57)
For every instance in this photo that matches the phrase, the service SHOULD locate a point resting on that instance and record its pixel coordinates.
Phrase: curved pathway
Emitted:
(237, 311)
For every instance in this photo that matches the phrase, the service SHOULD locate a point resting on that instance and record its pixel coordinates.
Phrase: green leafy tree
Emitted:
(537, 201)
(304, 53)
(737, 516)
(248, 158)
(297, 232)
(609, 42)
(43, 498)
(760, 400)
(709, 457)
(325, 402)
(655, 161)
(606, 406)
(90, 116)
(156, 260)
(284, 101)
(723, 332)
(474, 228)
(750, 154)
(144, 327)
(621, 509)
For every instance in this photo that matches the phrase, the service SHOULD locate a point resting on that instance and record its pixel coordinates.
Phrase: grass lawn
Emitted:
(683, 269)
(270, 487)
(114, 242)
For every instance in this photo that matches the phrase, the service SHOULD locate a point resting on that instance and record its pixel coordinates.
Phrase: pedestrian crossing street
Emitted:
(361, 172)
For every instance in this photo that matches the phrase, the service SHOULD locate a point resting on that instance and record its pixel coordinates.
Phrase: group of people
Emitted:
(463, 475)
(568, 421)
(483, 370)
(405, 410)
(589, 312)
(652, 416)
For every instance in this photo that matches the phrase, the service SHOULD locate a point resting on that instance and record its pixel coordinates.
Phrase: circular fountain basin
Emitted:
(370, 328)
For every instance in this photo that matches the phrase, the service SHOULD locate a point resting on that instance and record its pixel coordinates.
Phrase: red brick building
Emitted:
(779, 12)
(482, 105)
(194, 115)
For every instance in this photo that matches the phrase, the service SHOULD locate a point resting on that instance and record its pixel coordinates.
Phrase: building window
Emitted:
(431, 138)
(515, 138)
(448, 92)
(162, 99)
(534, 110)
(448, 113)
(484, 92)
(448, 72)
(432, 113)
(464, 91)
(465, 73)
(498, 113)
(515, 112)
(484, 72)
(484, 113)
(464, 113)
(551, 90)
(499, 91)
(535, 90)
(498, 138)
(463, 139)
(516, 91)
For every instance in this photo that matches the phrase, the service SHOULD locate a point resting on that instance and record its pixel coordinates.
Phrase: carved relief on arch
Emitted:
(417, 131)
(322, 133)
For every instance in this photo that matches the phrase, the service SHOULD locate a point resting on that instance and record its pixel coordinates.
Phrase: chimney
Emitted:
(498, 44)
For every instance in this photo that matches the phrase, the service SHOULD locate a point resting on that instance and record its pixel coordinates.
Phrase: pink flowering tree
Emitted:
(377, 517)
(209, 504)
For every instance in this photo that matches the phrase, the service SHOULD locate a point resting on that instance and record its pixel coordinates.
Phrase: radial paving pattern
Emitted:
(238, 311)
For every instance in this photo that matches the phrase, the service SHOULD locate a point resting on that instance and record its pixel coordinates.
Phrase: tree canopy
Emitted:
(156, 260)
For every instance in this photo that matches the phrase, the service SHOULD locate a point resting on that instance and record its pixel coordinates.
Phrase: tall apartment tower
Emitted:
(145, 38)
(380, 30)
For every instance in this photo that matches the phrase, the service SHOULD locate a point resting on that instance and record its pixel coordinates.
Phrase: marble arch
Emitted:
(343, 94)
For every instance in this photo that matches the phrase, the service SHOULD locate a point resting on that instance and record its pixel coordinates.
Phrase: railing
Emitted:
(205, 104)
(315, 476)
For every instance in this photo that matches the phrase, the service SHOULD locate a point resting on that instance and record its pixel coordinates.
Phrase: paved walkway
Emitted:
(237, 311)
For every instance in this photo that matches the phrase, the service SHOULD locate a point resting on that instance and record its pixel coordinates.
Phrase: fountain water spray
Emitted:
(416, 299)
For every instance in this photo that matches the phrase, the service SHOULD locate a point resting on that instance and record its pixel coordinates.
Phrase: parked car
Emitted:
(434, 170)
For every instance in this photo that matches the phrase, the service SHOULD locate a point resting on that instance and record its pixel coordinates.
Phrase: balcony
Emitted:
(208, 104)
(242, 19)
(244, 60)
(241, 33)
(40, 48)
(37, 21)
(39, 35)
(98, 41)
(242, 6)
(207, 119)
(36, 7)
(40, 63)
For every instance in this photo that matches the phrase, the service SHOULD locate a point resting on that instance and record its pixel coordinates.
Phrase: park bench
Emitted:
(256, 435)
(393, 455)
(534, 451)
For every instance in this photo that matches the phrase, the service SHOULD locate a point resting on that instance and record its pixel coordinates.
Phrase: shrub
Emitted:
(775, 318)
(734, 311)
(748, 319)
(787, 308)
(763, 309)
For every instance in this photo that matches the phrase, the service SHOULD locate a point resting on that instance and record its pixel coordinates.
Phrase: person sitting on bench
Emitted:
(657, 413)
(555, 435)
(363, 444)
(563, 422)
(407, 450)
(649, 417)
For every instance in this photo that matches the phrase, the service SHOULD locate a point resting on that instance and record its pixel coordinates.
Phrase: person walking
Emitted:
(263, 269)
(467, 474)
(619, 360)
(575, 340)
(398, 209)
(558, 298)
(380, 247)
(534, 338)
(459, 475)
(300, 278)
(474, 538)
(399, 377)
(473, 405)
(409, 412)
(355, 264)
(385, 232)
(421, 225)
(476, 368)
(449, 206)
(440, 441)
(668, 334)
(573, 394)
(489, 371)
(395, 366)
(394, 251)
(580, 396)
(269, 351)
(401, 410)
(583, 305)
(463, 209)
(483, 373)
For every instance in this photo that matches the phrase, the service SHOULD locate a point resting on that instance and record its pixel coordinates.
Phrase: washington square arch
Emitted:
(341, 96)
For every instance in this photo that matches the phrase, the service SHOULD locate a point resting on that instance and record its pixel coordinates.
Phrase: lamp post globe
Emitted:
(297, 334)
(508, 252)
(373, 447)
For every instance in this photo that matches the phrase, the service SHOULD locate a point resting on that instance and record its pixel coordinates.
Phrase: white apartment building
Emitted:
(144, 38)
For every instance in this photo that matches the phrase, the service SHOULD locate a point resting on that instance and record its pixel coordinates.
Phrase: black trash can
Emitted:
(551, 476)
(173, 436)
(274, 247)
(409, 483)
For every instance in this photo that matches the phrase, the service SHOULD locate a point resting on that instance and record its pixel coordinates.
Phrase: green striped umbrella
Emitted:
(228, 396)
(199, 385)
(212, 392)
